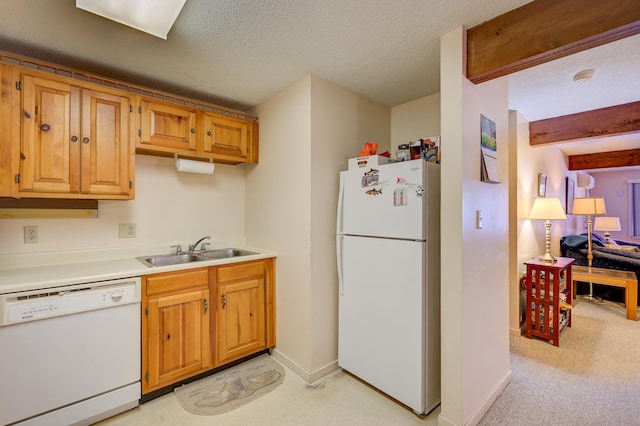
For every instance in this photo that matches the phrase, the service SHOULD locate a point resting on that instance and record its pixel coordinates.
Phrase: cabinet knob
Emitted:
(45, 127)
(193, 130)
(206, 305)
(209, 133)
(85, 140)
(74, 139)
(224, 301)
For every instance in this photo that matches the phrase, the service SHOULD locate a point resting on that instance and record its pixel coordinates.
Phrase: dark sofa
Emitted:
(603, 257)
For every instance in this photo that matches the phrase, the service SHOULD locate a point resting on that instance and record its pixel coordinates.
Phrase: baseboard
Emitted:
(310, 377)
(443, 421)
(475, 419)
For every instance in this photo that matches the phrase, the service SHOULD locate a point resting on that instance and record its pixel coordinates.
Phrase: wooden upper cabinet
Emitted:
(106, 155)
(50, 146)
(76, 140)
(227, 138)
(167, 127)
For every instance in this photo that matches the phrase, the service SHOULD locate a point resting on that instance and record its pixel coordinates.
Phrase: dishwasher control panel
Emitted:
(40, 304)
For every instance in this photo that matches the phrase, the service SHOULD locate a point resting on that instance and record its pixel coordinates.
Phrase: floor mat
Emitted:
(231, 388)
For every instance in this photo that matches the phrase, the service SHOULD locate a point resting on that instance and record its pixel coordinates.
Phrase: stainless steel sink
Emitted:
(175, 259)
(168, 259)
(224, 253)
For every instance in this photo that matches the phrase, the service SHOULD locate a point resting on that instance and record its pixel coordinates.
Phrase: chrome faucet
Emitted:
(193, 247)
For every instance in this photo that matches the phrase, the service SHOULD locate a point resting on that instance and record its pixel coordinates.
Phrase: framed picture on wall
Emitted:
(542, 185)
(569, 196)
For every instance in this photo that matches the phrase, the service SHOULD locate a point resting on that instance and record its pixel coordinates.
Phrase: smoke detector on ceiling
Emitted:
(584, 75)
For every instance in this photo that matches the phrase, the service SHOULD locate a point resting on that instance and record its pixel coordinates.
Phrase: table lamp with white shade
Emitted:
(547, 209)
(606, 224)
(587, 207)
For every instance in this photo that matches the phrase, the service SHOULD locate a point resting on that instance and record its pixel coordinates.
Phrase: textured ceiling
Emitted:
(548, 90)
(238, 53)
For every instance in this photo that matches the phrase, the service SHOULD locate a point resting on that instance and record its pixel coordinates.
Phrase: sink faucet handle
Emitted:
(178, 248)
(204, 246)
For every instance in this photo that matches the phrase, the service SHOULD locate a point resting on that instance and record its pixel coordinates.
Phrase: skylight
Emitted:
(155, 17)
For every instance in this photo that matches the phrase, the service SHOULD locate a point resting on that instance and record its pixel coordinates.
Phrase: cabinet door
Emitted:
(8, 126)
(49, 149)
(168, 128)
(241, 319)
(178, 343)
(106, 155)
(226, 138)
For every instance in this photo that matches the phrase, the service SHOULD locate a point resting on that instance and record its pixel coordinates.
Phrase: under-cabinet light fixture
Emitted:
(155, 17)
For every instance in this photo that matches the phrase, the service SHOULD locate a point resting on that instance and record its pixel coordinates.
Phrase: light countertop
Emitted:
(52, 269)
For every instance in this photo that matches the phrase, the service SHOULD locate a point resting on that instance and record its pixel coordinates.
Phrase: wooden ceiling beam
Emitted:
(602, 160)
(611, 121)
(544, 30)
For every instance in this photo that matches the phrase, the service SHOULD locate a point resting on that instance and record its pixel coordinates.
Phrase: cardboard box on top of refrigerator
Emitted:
(368, 161)
(426, 148)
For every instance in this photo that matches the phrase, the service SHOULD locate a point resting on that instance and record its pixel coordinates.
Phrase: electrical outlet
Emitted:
(126, 230)
(30, 234)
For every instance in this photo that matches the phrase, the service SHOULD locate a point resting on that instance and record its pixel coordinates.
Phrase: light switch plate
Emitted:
(479, 219)
(126, 230)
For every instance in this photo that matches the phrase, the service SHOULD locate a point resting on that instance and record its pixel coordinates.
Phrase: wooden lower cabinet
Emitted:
(245, 310)
(175, 327)
(199, 319)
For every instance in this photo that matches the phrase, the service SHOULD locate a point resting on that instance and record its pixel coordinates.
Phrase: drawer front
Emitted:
(240, 271)
(176, 281)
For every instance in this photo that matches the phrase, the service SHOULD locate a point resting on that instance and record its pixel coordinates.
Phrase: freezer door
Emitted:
(382, 316)
(386, 201)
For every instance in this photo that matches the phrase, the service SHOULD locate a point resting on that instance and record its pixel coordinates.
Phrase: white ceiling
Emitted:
(238, 53)
(548, 90)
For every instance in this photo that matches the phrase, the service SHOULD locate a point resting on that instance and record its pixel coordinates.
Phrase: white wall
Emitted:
(419, 118)
(530, 234)
(169, 207)
(307, 133)
(475, 262)
(278, 208)
(341, 123)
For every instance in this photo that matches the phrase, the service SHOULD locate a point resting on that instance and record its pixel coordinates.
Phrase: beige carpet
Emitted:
(231, 388)
(593, 378)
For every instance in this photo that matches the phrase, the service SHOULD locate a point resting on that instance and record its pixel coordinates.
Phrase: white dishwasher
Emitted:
(70, 355)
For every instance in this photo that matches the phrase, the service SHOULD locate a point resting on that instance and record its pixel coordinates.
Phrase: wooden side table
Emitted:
(615, 278)
(549, 297)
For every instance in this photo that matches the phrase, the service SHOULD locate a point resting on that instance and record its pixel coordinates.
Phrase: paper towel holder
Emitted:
(195, 165)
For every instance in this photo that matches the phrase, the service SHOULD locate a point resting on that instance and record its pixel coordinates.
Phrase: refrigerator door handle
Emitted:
(340, 202)
(339, 240)
(339, 237)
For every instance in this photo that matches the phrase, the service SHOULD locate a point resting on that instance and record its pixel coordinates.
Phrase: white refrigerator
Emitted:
(388, 248)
